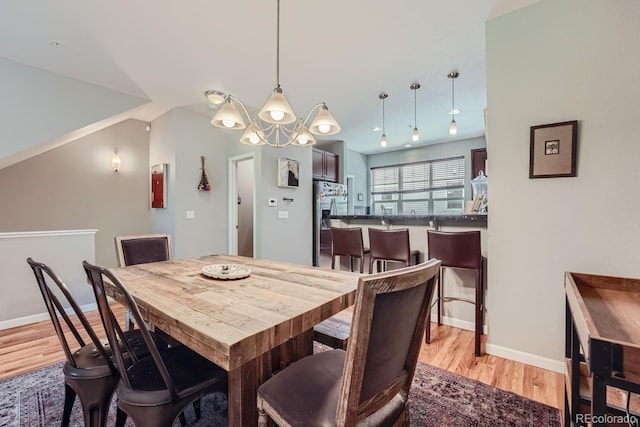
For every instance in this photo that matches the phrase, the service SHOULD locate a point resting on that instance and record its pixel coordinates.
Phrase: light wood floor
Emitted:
(33, 346)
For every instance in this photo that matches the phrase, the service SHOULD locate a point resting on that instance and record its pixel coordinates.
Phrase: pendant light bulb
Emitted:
(453, 127)
(383, 141)
(416, 136)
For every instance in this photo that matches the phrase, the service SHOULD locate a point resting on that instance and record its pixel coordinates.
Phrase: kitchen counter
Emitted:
(434, 221)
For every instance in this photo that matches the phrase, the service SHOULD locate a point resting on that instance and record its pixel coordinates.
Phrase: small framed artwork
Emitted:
(288, 173)
(159, 185)
(553, 150)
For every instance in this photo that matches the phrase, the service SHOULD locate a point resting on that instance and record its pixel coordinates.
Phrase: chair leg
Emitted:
(440, 286)
(69, 398)
(333, 262)
(263, 418)
(197, 410)
(479, 310)
(183, 419)
(427, 329)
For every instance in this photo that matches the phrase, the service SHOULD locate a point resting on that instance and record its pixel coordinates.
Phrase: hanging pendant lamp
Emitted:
(415, 136)
(276, 124)
(383, 140)
(453, 127)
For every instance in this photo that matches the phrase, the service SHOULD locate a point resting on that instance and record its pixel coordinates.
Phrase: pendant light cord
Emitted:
(415, 125)
(278, 48)
(383, 132)
(453, 95)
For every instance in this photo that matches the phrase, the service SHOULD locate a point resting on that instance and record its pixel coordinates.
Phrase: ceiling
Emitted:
(341, 52)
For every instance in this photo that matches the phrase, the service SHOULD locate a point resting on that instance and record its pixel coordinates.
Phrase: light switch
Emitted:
(191, 214)
(283, 214)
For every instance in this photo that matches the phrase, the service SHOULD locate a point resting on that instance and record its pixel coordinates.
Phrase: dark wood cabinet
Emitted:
(478, 159)
(325, 165)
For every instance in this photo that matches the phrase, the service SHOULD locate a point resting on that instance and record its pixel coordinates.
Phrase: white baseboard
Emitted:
(457, 323)
(20, 321)
(528, 358)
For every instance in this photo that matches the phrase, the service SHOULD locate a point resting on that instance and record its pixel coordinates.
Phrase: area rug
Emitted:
(438, 398)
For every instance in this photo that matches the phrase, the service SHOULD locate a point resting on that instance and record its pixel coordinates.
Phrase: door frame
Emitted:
(232, 246)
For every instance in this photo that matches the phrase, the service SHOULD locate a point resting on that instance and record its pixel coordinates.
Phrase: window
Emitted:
(434, 187)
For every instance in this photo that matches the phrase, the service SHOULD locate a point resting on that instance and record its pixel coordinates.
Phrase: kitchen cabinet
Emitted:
(325, 165)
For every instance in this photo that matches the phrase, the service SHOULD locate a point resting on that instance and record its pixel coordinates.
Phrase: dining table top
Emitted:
(232, 322)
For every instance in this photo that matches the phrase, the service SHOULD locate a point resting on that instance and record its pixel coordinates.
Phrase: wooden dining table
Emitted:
(252, 327)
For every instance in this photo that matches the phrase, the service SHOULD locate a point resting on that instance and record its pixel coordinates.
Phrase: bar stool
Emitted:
(334, 331)
(390, 245)
(458, 250)
(347, 242)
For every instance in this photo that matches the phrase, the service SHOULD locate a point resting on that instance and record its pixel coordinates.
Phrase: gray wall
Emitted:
(356, 165)
(73, 187)
(551, 62)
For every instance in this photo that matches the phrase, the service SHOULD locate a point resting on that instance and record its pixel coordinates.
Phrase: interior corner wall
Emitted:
(74, 187)
(551, 62)
(356, 165)
(179, 138)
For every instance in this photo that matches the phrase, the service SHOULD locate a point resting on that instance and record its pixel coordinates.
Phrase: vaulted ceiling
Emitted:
(341, 52)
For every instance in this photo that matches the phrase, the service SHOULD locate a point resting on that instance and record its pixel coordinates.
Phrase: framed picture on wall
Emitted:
(288, 173)
(553, 150)
(159, 185)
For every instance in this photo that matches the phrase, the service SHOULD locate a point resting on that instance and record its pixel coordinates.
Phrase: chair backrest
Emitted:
(459, 249)
(347, 242)
(143, 248)
(390, 245)
(48, 282)
(388, 322)
(123, 354)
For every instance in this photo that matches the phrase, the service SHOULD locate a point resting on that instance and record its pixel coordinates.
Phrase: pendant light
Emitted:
(415, 136)
(383, 140)
(276, 125)
(453, 127)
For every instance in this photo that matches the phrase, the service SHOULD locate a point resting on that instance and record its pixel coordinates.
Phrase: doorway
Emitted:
(242, 205)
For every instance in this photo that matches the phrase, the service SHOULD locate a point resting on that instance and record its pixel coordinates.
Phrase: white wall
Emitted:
(63, 251)
(556, 61)
(37, 107)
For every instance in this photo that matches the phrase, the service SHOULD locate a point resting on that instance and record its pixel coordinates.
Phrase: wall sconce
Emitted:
(115, 162)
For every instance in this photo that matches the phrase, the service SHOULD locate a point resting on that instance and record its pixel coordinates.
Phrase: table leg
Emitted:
(243, 382)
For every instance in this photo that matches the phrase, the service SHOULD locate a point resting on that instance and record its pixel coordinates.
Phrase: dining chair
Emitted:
(458, 249)
(369, 383)
(142, 249)
(390, 245)
(89, 372)
(155, 389)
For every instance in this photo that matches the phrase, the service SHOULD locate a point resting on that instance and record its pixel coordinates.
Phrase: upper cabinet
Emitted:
(325, 165)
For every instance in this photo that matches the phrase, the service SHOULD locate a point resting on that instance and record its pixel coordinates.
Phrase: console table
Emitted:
(602, 349)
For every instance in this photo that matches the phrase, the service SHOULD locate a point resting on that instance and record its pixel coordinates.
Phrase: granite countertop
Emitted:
(429, 220)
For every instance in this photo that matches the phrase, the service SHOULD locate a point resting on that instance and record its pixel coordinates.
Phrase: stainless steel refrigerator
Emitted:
(329, 198)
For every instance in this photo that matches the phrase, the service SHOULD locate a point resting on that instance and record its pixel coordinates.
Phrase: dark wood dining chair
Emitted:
(369, 384)
(390, 246)
(458, 249)
(142, 249)
(153, 390)
(88, 371)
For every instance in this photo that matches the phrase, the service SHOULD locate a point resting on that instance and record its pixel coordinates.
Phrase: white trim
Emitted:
(33, 318)
(528, 358)
(52, 233)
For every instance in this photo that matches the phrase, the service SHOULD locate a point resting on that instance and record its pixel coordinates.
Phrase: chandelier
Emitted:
(276, 124)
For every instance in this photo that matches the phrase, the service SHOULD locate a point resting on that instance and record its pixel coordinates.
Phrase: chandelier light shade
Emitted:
(415, 136)
(453, 126)
(276, 125)
(383, 140)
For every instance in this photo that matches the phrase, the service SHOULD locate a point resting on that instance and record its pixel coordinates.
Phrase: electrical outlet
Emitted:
(191, 214)
(272, 201)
